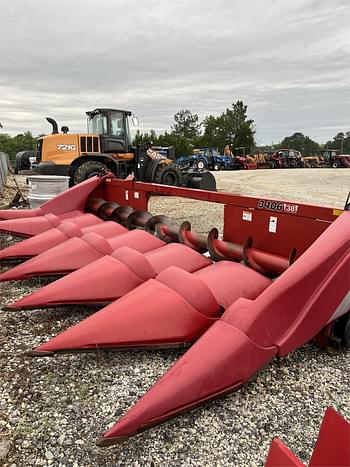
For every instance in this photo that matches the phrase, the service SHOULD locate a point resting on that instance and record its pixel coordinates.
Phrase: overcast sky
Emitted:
(288, 60)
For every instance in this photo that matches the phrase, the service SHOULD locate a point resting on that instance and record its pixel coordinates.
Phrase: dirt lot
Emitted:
(52, 410)
(315, 186)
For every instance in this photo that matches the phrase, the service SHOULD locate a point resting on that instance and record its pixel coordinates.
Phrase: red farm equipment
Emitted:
(328, 158)
(277, 279)
(286, 159)
(332, 448)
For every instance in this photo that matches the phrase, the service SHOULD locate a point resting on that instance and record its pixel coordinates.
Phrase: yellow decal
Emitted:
(337, 212)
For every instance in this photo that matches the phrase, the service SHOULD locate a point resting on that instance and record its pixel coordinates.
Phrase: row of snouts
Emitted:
(164, 228)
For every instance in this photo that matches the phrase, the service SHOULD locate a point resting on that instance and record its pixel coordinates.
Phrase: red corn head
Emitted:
(75, 198)
(221, 361)
(332, 448)
(30, 226)
(292, 310)
(172, 310)
(112, 276)
(78, 252)
(42, 242)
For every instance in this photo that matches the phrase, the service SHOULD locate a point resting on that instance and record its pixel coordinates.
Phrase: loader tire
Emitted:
(168, 175)
(87, 170)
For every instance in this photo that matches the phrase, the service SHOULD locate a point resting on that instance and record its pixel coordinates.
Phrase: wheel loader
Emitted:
(107, 147)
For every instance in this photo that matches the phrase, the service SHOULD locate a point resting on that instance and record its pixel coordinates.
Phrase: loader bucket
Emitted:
(42, 242)
(172, 310)
(111, 277)
(77, 252)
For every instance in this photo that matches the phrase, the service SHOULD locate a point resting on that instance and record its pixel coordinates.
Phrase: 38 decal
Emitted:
(278, 206)
(66, 147)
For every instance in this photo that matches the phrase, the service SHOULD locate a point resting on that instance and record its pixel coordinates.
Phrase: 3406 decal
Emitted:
(277, 206)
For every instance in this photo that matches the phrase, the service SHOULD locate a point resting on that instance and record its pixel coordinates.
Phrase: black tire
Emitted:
(201, 164)
(292, 165)
(346, 336)
(87, 170)
(168, 174)
(341, 329)
(335, 164)
(273, 165)
(217, 166)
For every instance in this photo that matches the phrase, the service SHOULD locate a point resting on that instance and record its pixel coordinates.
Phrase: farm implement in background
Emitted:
(276, 279)
(328, 158)
(208, 158)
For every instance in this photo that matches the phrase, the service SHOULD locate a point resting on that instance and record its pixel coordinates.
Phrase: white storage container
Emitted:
(45, 187)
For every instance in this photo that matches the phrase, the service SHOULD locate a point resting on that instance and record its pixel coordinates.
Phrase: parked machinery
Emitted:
(242, 161)
(286, 158)
(208, 158)
(107, 146)
(24, 160)
(261, 161)
(327, 158)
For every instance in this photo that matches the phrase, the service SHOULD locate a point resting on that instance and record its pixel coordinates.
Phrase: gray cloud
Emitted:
(289, 62)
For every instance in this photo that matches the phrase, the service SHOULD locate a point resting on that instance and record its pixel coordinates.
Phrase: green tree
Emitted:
(340, 142)
(181, 144)
(231, 127)
(186, 124)
(301, 143)
(13, 145)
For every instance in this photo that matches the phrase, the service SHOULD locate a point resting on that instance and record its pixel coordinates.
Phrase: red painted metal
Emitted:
(312, 292)
(333, 443)
(244, 216)
(42, 242)
(281, 456)
(30, 226)
(224, 357)
(332, 448)
(73, 199)
(262, 261)
(174, 309)
(307, 245)
(77, 252)
(111, 277)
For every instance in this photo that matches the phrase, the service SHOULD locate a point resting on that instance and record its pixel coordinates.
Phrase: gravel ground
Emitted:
(52, 410)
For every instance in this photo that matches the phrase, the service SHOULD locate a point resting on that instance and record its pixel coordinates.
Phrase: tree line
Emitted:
(14, 144)
(232, 127)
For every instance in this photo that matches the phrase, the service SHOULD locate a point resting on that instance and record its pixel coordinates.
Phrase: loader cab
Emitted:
(113, 127)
